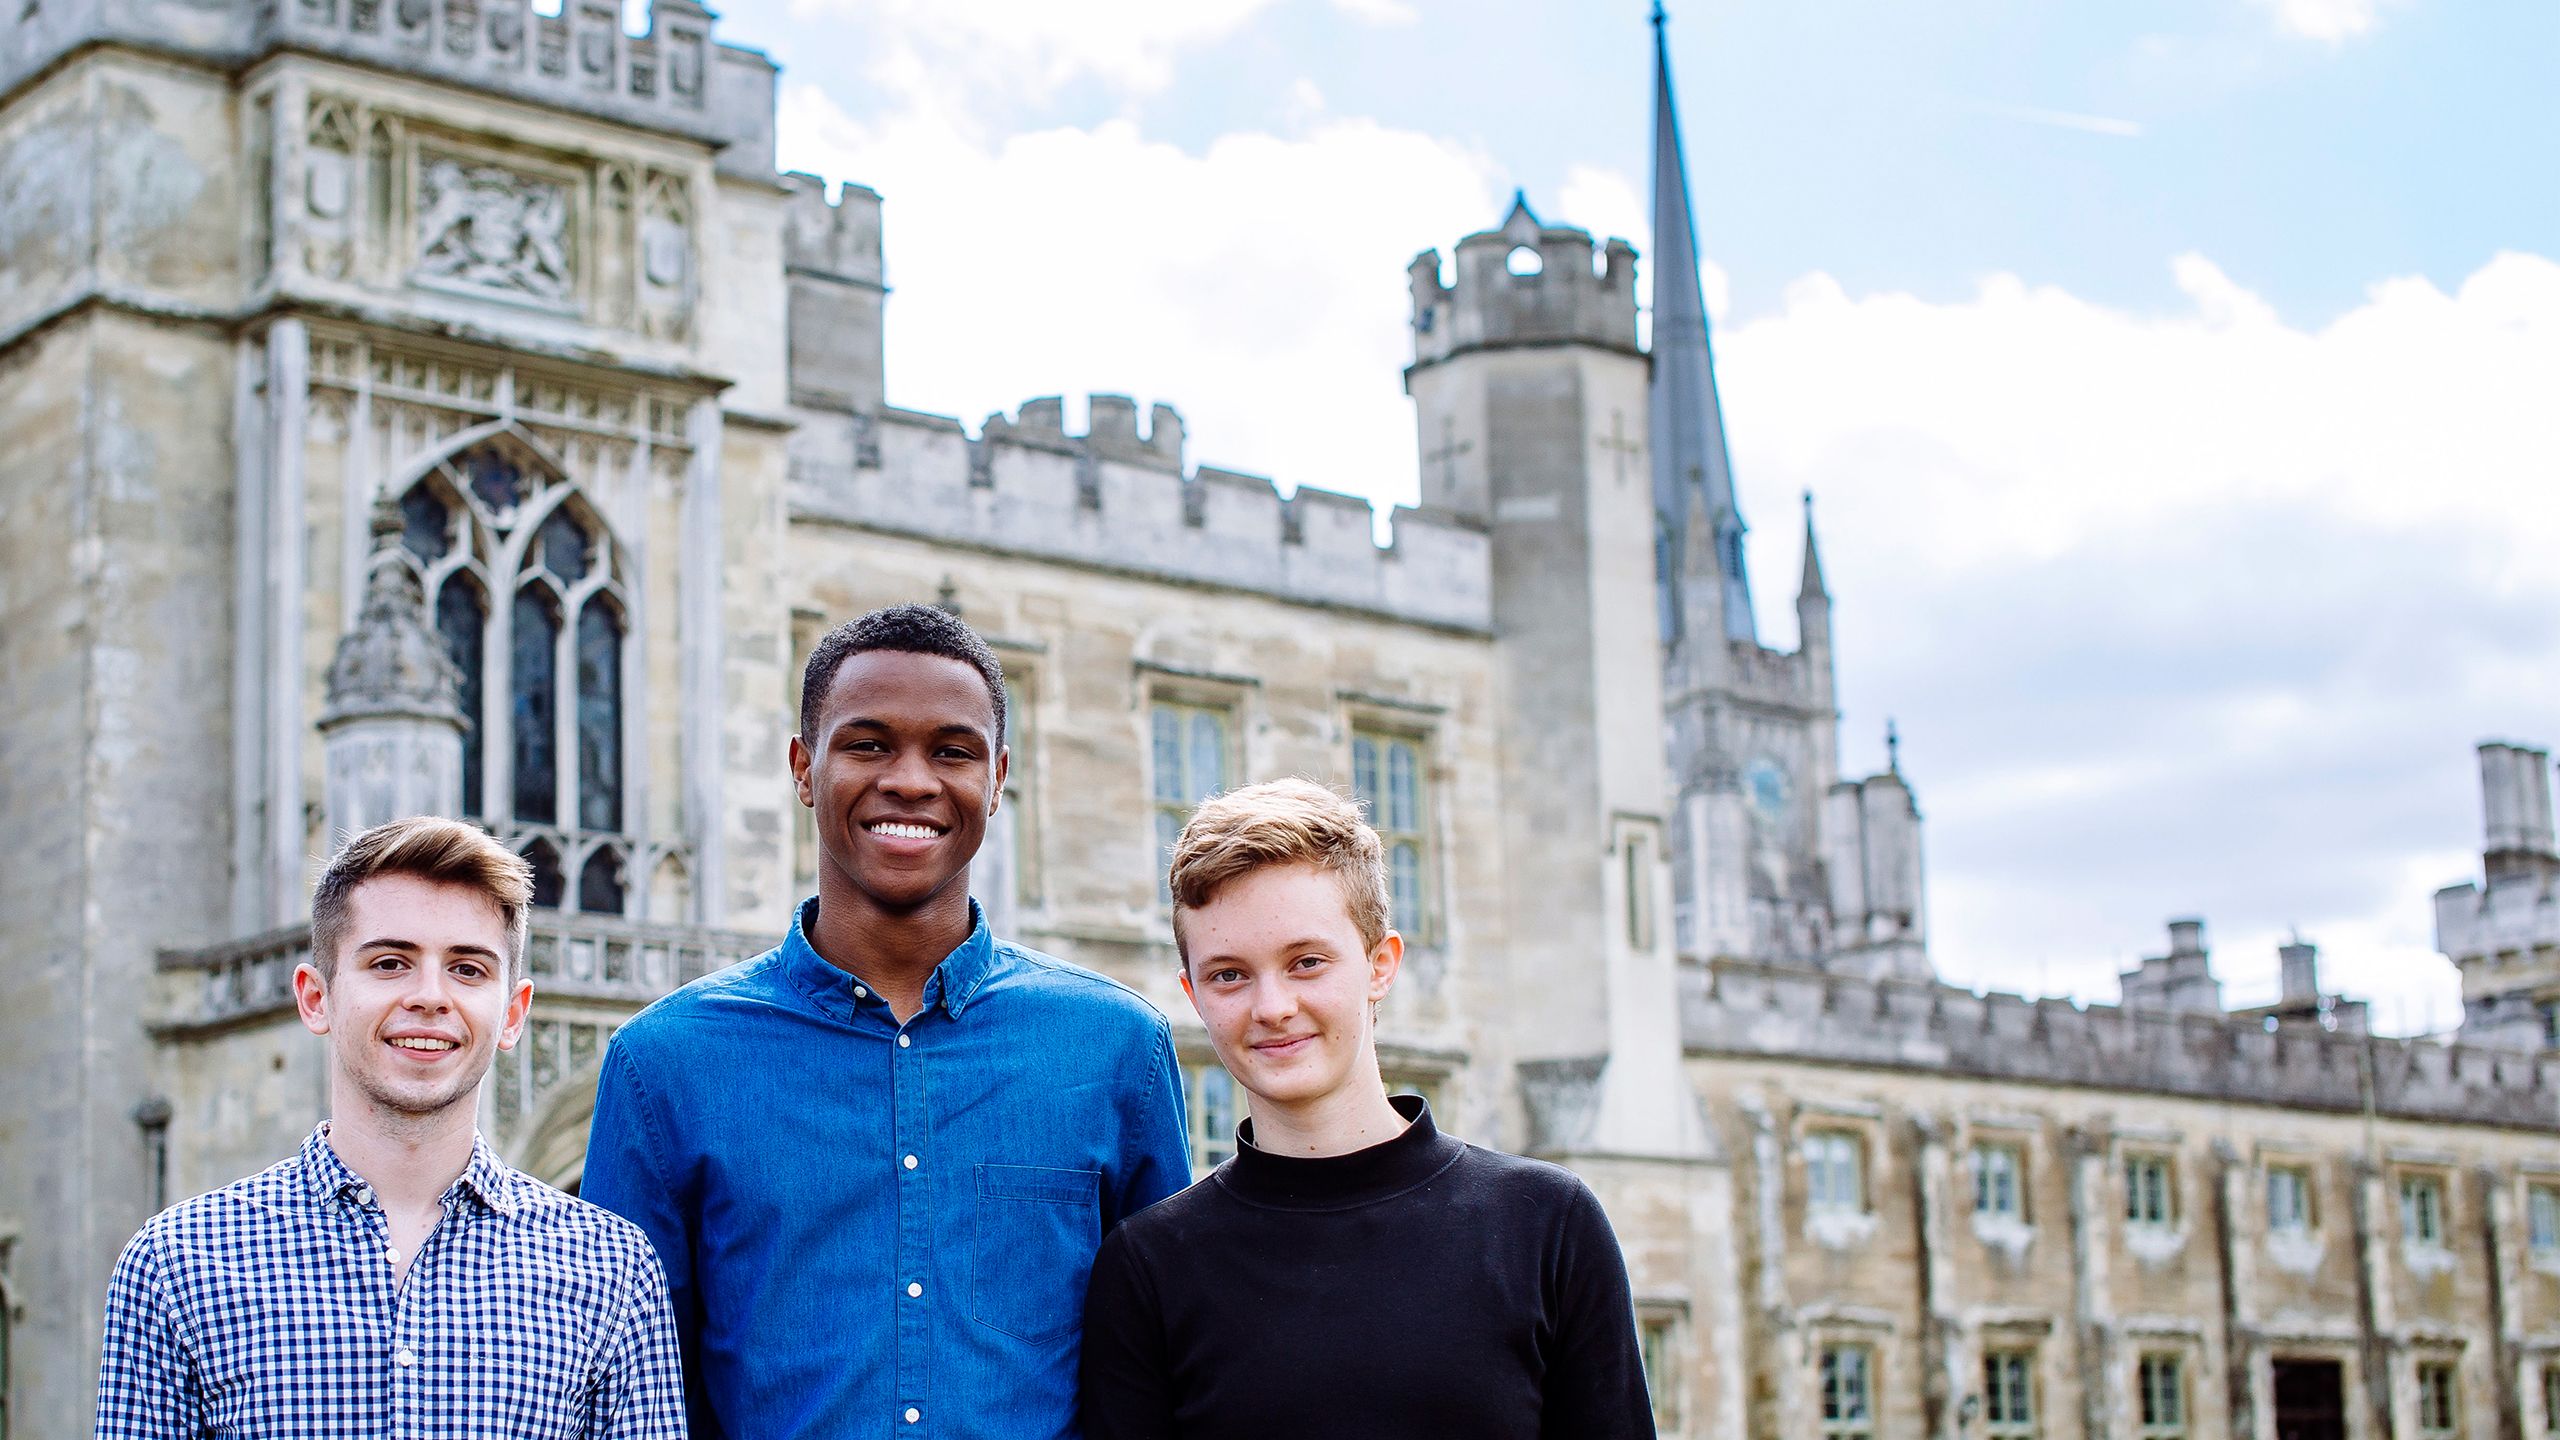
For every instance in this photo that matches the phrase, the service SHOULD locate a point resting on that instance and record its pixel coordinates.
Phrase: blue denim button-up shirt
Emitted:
(879, 1229)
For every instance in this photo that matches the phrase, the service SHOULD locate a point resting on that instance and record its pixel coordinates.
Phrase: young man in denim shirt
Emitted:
(877, 1160)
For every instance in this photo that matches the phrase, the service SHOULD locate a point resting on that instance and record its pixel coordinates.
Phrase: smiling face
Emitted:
(903, 771)
(417, 1003)
(1280, 977)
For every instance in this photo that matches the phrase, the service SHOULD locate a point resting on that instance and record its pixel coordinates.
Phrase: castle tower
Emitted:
(1529, 391)
(2503, 931)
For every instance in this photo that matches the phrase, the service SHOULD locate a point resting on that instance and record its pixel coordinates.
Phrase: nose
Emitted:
(429, 990)
(1274, 1002)
(909, 774)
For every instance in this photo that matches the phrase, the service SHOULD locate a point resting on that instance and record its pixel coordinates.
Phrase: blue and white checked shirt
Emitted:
(267, 1309)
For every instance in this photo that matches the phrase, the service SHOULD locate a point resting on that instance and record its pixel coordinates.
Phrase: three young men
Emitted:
(1351, 1271)
(877, 1161)
(395, 1277)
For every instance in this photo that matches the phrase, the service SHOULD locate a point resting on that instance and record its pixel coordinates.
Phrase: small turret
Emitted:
(392, 732)
(1523, 283)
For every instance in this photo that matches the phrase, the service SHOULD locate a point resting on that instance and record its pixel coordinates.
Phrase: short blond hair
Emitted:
(430, 848)
(1281, 822)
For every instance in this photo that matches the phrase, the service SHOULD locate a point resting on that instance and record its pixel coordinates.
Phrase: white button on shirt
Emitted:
(911, 1162)
(391, 1253)
(861, 994)
(914, 1414)
(903, 1042)
(915, 1290)
(404, 1357)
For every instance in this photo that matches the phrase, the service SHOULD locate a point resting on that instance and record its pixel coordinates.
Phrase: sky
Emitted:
(2178, 383)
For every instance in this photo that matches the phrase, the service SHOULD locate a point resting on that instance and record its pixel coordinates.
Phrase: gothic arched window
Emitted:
(543, 744)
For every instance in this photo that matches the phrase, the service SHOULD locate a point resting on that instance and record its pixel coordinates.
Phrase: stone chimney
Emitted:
(392, 732)
(2515, 811)
(2181, 980)
(2299, 963)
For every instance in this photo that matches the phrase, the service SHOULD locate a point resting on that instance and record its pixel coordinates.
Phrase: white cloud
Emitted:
(2182, 611)
(2335, 21)
(929, 48)
(1259, 286)
(1379, 12)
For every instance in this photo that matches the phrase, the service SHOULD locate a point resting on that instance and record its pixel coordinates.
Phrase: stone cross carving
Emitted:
(493, 229)
(1616, 440)
(1446, 457)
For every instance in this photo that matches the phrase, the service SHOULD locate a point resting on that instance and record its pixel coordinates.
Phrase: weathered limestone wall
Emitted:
(1917, 1274)
(1090, 651)
(115, 515)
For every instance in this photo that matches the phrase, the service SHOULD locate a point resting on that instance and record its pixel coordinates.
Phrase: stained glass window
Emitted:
(547, 886)
(495, 477)
(462, 618)
(563, 546)
(600, 889)
(599, 716)
(536, 705)
(426, 524)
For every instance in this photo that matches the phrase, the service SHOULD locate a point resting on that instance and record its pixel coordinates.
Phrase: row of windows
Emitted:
(1191, 756)
(1835, 1182)
(1846, 1377)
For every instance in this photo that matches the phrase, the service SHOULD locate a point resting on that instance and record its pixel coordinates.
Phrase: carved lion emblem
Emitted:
(484, 226)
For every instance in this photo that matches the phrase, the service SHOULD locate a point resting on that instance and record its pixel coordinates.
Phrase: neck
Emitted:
(409, 1160)
(892, 951)
(1354, 1117)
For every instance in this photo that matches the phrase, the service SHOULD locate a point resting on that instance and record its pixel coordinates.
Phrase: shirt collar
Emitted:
(953, 984)
(487, 1178)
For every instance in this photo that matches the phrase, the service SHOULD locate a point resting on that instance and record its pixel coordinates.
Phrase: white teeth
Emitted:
(904, 832)
(422, 1042)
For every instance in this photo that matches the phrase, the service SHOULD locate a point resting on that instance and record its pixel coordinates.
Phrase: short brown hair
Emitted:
(1281, 822)
(431, 848)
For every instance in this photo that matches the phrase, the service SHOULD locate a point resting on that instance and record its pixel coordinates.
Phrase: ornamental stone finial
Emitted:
(392, 731)
(392, 662)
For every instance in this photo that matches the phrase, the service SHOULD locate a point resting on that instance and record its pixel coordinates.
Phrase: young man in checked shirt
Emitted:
(396, 1278)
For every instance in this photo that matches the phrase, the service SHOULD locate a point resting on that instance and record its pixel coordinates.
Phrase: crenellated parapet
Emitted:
(834, 298)
(1114, 498)
(1741, 1008)
(675, 77)
(1524, 284)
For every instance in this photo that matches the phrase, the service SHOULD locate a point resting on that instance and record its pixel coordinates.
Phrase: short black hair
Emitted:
(910, 629)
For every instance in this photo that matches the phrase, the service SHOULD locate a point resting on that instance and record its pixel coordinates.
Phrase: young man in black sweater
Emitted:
(1352, 1271)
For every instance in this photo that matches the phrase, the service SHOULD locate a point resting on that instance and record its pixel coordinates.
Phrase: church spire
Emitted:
(1811, 586)
(1688, 421)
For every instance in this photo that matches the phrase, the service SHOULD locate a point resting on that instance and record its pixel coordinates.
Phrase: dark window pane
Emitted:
(537, 705)
(495, 477)
(600, 717)
(462, 618)
(426, 524)
(600, 884)
(563, 544)
(547, 887)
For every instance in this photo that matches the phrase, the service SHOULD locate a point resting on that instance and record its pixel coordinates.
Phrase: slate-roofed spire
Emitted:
(1688, 420)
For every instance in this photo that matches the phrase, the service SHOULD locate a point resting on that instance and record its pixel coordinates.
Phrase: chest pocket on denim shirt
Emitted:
(1037, 1230)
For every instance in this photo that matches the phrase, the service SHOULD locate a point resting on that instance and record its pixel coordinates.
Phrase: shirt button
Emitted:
(861, 994)
(404, 1357)
(903, 1042)
(914, 1414)
(915, 1289)
(911, 1162)
(391, 1253)
(364, 1194)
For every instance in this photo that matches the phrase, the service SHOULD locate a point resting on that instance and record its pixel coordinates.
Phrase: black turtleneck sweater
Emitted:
(1418, 1288)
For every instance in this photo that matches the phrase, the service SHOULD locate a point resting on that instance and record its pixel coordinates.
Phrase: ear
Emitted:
(311, 998)
(995, 787)
(517, 1005)
(1386, 959)
(1188, 993)
(800, 758)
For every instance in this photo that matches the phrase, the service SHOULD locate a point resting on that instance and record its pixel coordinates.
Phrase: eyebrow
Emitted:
(412, 947)
(867, 722)
(1303, 942)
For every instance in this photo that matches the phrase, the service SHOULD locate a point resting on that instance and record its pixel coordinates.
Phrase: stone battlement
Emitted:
(838, 238)
(1115, 499)
(1738, 1008)
(1524, 284)
(674, 78)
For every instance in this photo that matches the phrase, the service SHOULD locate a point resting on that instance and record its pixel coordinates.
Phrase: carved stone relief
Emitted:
(328, 191)
(491, 229)
(666, 257)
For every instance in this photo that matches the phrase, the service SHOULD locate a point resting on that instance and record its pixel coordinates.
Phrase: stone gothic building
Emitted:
(439, 405)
